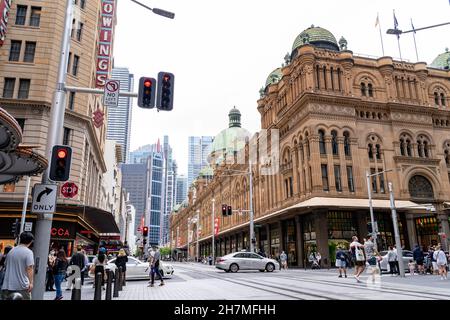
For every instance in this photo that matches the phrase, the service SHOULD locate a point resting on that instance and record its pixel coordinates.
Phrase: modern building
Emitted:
(170, 173)
(141, 154)
(338, 116)
(199, 149)
(29, 61)
(119, 118)
(181, 189)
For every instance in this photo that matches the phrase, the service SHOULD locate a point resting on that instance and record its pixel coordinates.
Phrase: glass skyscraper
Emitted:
(199, 149)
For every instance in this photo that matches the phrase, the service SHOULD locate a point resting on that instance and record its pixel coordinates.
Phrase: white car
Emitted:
(384, 264)
(236, 261)
(137, 269)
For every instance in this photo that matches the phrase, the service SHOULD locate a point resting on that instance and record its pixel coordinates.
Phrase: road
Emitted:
(203, 282)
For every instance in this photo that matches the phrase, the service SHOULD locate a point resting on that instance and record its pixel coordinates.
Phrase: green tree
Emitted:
(164, 251)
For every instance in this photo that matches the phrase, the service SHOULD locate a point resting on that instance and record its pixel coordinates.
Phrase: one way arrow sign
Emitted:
(44, 198)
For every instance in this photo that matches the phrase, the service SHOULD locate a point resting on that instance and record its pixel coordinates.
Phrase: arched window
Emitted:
(363, 89)
(370, 89)
(347, 144)
(378, 151)
(402, 147)
(442, 99)
(370, 151)
(423, 147)
(322, 142)
(436, 98)
(420, 187)
(308, 150)
(334, 143)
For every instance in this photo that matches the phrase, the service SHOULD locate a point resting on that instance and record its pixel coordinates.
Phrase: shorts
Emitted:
(372, 261)
(435, 266)
(441, 265)
(341, 264)
(419, 262)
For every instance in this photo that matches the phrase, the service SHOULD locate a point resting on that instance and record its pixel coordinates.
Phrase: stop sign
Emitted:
(69, 190)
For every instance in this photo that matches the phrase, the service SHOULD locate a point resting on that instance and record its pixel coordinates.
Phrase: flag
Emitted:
(396, 22)
(377, 22)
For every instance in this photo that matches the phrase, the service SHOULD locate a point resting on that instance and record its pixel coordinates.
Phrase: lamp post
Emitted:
(396, 231)
(372, 218)
(197, 221)
(213, 232)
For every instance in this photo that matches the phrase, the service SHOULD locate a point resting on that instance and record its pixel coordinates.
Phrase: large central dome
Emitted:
(318, 37)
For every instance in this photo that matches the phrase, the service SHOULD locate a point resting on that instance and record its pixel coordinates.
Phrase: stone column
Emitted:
(307, 169)
(280, 227)
(344, 179)
(321, 225)
(269, 239)
(300, 171)
(411, 229)
(330, 165)
(295, 161)
(315, 161)
(299, 239)
(442, 218)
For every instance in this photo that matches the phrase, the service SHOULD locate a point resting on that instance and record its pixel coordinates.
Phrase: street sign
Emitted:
(44, 198)
(111, 94)
(28, 226)
(69, 190)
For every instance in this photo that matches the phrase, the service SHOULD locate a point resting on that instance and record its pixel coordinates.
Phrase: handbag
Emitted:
(359, 254)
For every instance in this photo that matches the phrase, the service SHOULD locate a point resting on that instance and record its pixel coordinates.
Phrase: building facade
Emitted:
(119, 119)
(338, 116)
(181, 186)
(199, 149)
(29, 61)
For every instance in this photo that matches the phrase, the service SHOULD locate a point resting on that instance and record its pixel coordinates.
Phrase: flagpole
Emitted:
(381, 36)
(398, 36)
(414, 37)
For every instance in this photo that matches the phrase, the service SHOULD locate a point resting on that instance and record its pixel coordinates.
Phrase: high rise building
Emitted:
(170, 169)
(181, 189)
(119, 118)
(199, 149)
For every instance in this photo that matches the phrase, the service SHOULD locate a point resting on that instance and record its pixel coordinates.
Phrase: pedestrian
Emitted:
(371, 257)
(210, 260)
(341, 261)
(357, 252)
(78, 259)
(59, 271)
(154, 265)
(397, 266)
(418, 257)
(2, 264)
(50, 281)
(441, 262)
(392, 260)
(19, 268)
(99, 264)
(283, 259)
(121, 262)
(319, 258)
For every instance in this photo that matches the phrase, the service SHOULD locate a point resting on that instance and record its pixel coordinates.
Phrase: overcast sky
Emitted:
(221, 52)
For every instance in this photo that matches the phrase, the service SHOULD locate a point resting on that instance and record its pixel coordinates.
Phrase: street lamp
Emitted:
(197, 221)
(398, 32)
(157, 11)
(369, 191)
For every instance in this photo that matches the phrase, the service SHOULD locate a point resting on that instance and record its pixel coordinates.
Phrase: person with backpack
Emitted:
(154, 261)
(341, 261)
(99, 265)
(419, 258)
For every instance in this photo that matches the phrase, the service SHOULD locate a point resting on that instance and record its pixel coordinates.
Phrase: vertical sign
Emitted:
(5, 7)
(105, 41)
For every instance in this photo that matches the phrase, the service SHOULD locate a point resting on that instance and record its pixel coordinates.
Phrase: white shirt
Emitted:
(440, 257)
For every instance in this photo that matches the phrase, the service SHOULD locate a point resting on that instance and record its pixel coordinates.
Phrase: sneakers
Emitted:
(151, 285)
(59, 298)
(161, 284)
(340, 276)
(346, 276)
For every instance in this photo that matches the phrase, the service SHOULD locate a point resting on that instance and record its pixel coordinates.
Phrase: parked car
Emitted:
(137, 269)
(236, 261)
(384, 264)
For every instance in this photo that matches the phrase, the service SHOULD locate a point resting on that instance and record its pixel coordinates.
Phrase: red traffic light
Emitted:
(147, 83)
(145, 231)
(62, 153)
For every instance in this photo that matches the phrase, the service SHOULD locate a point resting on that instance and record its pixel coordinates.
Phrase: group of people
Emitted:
(435, 261)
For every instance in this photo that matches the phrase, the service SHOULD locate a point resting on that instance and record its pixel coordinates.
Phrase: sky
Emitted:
(221, 52)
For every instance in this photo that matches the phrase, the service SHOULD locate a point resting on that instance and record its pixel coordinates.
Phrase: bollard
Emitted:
(120, 278)
(116, 284)
(124, 282)
(98, 286)
(109, 285)
(76, 291)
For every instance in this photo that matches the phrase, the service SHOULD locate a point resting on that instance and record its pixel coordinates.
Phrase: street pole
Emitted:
(396, 231)
(198, 222)
(54, 137)
(188, 240)
(252, 230)
(372, 219)
(25, 204)
(213, 232)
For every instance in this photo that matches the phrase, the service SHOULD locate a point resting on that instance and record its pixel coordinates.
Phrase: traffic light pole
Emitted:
(54, 137)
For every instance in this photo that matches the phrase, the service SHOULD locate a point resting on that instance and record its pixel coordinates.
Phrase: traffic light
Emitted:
(145, 231)
(146, 95)
(60, 163)
(229, 210)
(144, 242)
(164, 98)
(224, 209)
(15, 228)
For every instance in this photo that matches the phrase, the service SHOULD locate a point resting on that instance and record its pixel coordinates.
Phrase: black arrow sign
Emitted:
(47, 191)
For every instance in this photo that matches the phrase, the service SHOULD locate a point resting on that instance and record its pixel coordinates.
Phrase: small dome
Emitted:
(274, 77)
(318, 37)
(442, 61)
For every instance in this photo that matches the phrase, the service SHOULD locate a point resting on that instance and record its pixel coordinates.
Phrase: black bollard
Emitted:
(98, 286)
(120, 278)
(109, 285)
(76, 291)
(116, 284)
(124, 282)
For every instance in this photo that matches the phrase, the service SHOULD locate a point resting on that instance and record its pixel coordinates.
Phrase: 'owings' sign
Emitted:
(105, 42)
(5, 7)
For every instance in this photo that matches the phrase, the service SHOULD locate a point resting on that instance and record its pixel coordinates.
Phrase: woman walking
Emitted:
(441, 261)
(121, 262)
(357, 252)
(59, 271)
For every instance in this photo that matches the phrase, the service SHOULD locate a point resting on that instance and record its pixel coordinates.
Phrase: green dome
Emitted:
(442, 61)
(318, 37)
(274, 77)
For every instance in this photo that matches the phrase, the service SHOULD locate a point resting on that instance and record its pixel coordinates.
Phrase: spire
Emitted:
(235, 118)
(158, 146)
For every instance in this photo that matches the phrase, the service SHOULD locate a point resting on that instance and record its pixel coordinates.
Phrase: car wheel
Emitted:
(234, 268)
(270, 267)
(261, 270)
(227, 270)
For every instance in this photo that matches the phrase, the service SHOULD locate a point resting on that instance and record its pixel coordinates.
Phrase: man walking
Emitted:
(78, 259)
(154, 261)
(19, 269)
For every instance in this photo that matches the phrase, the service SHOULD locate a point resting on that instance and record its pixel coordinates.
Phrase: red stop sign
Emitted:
(69, 190)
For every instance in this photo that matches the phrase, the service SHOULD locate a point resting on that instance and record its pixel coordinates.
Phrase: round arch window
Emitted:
(420, 187)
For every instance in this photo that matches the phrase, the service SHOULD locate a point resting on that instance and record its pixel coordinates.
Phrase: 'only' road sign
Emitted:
(44, 198)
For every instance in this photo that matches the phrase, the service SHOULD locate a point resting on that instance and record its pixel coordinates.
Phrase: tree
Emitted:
(165, 251)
